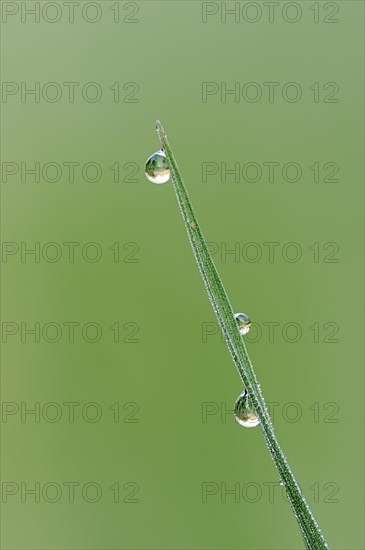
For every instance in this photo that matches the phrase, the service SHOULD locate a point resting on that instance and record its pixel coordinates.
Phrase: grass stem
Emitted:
(310, 530)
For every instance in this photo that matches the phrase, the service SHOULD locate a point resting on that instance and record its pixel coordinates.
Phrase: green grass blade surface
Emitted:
(311, 532)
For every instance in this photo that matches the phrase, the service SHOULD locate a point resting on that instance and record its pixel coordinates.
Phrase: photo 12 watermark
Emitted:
(69, 252)
(70, 11)
(69, 332)
(231, 12)
(271, 332)
(69, 412)
(69, 92)
(70, 171)
(252, 492)
(290, 412)
(270, 171)
(69, 492)
(270, 92)
(291, 252)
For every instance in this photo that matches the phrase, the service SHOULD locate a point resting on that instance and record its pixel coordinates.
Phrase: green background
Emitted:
(170, 373)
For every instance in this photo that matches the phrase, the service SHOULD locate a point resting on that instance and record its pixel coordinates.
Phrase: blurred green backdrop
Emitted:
(132, 444)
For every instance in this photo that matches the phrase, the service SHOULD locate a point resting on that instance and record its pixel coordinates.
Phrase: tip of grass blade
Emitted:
(160, 131)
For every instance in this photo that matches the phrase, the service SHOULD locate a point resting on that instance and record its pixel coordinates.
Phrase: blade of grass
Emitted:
(310, 530)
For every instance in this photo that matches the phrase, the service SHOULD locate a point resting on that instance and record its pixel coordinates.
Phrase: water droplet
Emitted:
(243, 322)
(157, 170)
(244, 412)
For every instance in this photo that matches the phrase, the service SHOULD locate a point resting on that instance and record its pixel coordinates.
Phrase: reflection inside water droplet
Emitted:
(244, 412)
(243, 322)
(157, 169)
